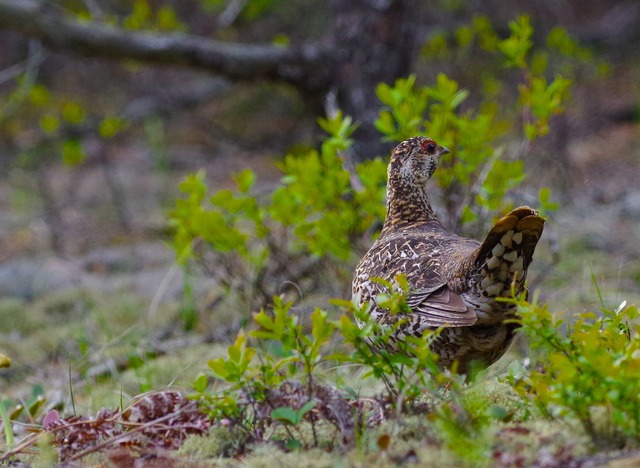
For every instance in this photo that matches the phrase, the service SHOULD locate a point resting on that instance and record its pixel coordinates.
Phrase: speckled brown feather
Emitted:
(454, 281)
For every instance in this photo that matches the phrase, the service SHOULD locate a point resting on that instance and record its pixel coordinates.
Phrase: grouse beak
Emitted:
(443, 151)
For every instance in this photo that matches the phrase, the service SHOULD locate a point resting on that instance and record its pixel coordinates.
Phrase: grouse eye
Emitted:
(429, 147)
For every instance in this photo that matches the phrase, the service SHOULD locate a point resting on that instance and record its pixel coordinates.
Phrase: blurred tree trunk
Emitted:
(374, 42)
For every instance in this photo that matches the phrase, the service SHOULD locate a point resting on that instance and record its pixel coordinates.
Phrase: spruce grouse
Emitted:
(454, 281)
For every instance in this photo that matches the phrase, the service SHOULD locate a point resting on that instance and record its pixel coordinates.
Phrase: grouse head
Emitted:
(412, 164)
(415, 160)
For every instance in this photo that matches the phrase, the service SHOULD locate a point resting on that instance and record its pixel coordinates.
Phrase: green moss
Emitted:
(499, 395)
(15, 317)
(269, 456)
(66, 304)
(156, 373)
(537, 440)
(220, 442)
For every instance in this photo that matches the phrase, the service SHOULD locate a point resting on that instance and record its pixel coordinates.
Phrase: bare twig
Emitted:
(237, 61)
(29, 69)
(231, 13)
(51, 212)
(114, 183)
(94, 8)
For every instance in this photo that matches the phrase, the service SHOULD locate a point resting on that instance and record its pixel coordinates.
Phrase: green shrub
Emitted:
(312, 220)
(587, 368)
(279, 374)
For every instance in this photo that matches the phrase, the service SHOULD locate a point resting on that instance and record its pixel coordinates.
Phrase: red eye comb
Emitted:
(428, 146)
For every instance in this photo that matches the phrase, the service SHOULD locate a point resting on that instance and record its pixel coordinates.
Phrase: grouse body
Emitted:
(453, 281)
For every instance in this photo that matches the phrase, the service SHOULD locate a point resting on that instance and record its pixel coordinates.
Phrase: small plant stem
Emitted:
(73, 402)
(6, 422)
(310, 396)
(309, 371)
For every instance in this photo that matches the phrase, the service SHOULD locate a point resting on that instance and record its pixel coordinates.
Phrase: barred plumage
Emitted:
(454, 281)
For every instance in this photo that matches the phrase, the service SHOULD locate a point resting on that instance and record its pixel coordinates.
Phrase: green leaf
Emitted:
(139, 16)
(218, 367)
(308, 406)
(498, 413)
(468, 215)
(200, 383)
(464, 36)
(344, 303)
(110, 126)
(73, 112)
(385, 94)
(245, 180)
(487, 35)
(72, 152)
(458, 98)
(194, 185)
(293, 444)
(235, 352)
(49, 123)
(517, 46)
(435, 47)
(39, 95)
(321, 328)
(539, 63)
(286, 415)
(264, 320)
(166, 19)
(281, 40)
(545, 204)
(385, 123)
(530, 131)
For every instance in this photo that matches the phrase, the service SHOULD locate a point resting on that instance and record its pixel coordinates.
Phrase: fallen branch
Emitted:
(299, 65)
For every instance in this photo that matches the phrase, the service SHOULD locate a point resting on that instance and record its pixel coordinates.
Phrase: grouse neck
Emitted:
(407, 204)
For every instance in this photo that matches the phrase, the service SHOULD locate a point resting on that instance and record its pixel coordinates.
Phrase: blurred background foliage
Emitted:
(98, 131)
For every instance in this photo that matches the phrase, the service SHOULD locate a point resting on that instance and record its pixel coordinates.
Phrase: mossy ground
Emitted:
(117, 331)
(111, 346)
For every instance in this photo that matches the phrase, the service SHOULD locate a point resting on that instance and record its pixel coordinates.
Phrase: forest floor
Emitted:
(104, 318)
